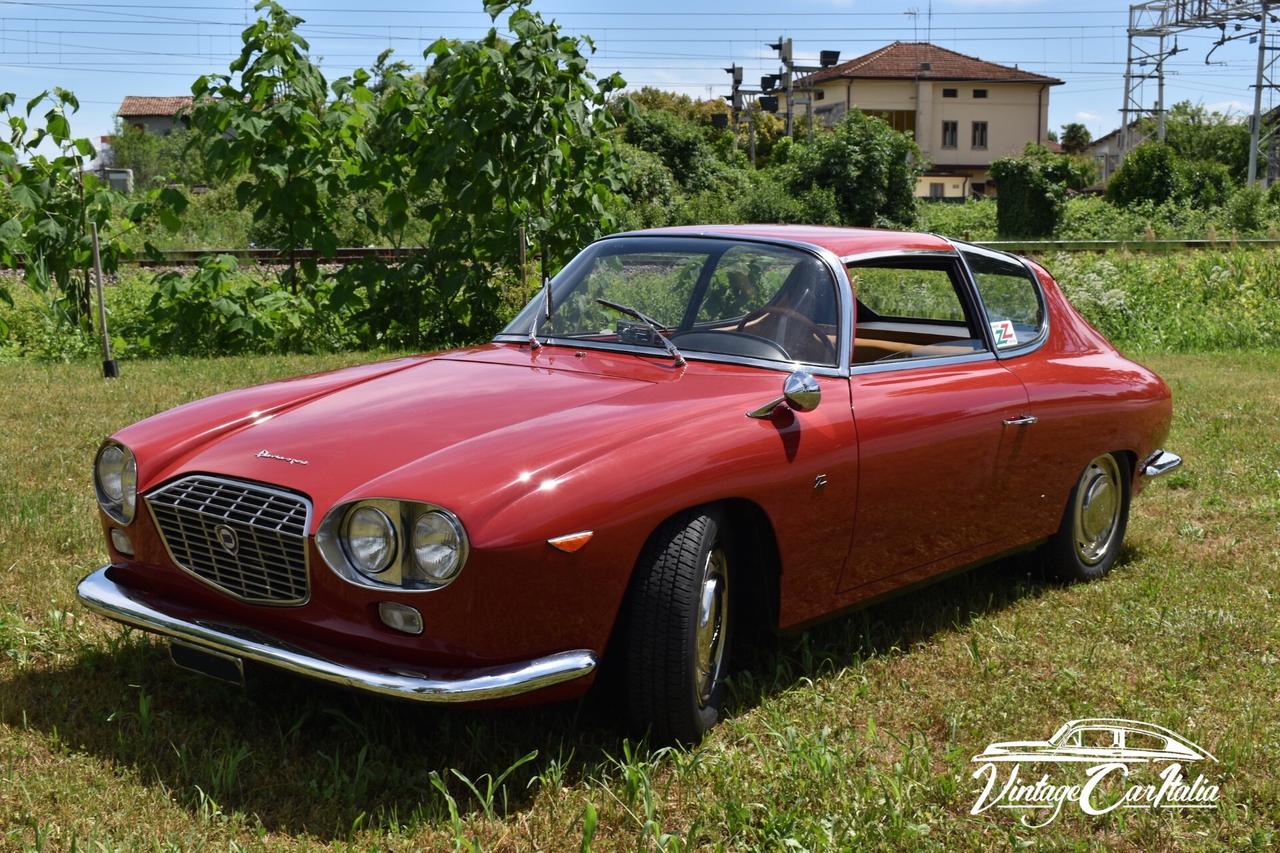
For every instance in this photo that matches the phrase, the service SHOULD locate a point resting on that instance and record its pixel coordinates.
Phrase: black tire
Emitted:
(1085, 547)
(668, 697)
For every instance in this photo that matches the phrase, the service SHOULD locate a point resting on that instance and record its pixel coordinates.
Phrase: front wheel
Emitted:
(678, 629)
(1093, 526)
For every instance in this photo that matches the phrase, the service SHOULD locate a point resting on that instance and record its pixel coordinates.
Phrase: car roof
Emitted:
(842, 242)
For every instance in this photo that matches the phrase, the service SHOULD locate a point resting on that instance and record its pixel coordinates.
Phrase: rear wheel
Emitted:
(679, 629)
(1093, 526)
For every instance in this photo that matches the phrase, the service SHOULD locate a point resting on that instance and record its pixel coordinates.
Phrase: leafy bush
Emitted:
(869, 167)
(213, 310)
(1204, 182)
(974, 219)
(1248, 209)
(1030, 200)
(1151, 172)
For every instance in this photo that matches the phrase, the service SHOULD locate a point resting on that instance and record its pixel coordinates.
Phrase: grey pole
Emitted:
(110, 370)
(1255, 125)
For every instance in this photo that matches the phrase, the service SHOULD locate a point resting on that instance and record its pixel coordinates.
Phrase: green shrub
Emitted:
(1150, 172)
(869, 167)
(1030, 200)
(1205, 182)
(974, 219)
(1248, 209)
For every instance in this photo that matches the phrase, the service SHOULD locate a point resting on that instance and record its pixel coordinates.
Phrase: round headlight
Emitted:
(370, 538)
(437, 547)
(115, 476)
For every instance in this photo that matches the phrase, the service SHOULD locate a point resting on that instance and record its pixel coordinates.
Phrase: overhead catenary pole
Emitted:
(1255, 122)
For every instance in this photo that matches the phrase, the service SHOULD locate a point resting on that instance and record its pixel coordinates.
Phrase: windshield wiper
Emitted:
(651, 323)
(533, 327)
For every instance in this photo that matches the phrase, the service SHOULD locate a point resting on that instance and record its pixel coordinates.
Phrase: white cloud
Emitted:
(1087, 117)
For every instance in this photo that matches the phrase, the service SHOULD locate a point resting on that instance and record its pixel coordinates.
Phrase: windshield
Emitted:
(707, 295)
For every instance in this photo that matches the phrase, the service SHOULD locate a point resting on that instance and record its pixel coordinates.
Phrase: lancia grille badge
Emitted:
(227, 538)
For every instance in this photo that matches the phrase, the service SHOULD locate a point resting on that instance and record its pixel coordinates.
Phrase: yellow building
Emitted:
(964, 112)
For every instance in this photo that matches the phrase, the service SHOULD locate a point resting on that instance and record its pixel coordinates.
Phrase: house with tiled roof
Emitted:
(964, 112)
(154, 114)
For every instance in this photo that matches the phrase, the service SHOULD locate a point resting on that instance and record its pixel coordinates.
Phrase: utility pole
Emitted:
(783, 47)
(1255, 121)
(735, 98)
(1152, 22)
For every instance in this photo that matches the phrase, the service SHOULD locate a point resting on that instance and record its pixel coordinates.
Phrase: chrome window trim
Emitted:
(880, 254)
(1043, 335)
(921, 362)
(306, 526)
(966, 281)
(844, 302)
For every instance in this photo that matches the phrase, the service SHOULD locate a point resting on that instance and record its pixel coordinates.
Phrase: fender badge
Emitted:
(267, 454)
(572, 543)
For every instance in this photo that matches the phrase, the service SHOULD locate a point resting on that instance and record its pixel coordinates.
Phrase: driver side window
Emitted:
(776, 295)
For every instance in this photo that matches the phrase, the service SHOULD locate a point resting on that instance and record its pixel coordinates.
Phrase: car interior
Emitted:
(909, 310)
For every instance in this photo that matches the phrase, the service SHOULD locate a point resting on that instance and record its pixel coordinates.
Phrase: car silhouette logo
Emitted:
(227, 538)
(1097, 741)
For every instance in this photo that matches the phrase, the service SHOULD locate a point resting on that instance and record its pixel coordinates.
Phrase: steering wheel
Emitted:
(809, 326)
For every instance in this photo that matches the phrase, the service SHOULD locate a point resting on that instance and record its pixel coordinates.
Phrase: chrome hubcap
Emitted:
(1097, 510)
(713, 622)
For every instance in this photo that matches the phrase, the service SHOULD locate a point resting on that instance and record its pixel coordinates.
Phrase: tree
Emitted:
(1150, 172)
(1197, 133)
(156, 158)
(53, 204)
(271, 124)
(1075, 138)
(870, 167)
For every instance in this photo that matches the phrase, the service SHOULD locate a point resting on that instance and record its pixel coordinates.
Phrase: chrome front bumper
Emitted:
(107, 598)
(1160, 462)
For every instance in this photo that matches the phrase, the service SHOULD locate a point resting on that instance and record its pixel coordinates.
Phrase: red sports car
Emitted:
(688, 433)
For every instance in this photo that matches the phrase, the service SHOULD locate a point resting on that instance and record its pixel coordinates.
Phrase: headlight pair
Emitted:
(115, 480)
(387, 543)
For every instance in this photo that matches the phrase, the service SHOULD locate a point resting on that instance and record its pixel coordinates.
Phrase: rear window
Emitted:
(1010, 299)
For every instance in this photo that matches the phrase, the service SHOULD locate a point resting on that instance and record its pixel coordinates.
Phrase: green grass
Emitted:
(855, 734)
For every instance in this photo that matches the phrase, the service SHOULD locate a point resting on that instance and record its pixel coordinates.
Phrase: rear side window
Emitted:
(1010, 298)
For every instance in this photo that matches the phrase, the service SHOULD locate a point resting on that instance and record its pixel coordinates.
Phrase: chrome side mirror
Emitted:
(800, 392)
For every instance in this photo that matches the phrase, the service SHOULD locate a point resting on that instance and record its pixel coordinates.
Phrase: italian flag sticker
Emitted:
(1004, 333)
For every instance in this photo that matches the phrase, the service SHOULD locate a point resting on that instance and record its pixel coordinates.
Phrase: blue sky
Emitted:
(105, 49)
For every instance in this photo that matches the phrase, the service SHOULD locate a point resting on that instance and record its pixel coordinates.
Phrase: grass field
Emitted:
(856, 734)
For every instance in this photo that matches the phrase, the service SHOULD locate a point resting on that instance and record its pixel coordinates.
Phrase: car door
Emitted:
(935, 414)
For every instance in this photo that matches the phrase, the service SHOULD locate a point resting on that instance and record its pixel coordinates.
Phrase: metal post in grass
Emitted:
(110, 370)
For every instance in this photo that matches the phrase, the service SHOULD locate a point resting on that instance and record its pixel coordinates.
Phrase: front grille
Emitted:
(246, 539)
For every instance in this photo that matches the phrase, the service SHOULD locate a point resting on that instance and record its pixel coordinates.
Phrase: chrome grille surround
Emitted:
(268, 564)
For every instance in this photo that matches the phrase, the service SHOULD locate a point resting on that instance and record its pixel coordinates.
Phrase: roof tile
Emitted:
(908, 60)
(147, 105)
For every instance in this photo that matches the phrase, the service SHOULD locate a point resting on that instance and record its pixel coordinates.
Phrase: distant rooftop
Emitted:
(917, 60)
(134, 106)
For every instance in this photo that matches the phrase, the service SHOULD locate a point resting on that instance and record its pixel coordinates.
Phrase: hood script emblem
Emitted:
(267, 454)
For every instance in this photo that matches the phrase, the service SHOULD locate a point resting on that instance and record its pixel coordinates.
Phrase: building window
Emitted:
(937, 190)
(979, 93)
(950, 93)
(950, 130)
(979, 134)
(903, 121)
(979, 188)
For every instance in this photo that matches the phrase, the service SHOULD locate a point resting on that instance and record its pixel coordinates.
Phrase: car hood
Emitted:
(343, 436)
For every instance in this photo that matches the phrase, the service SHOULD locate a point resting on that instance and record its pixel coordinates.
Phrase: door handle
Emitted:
(1023, 420)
